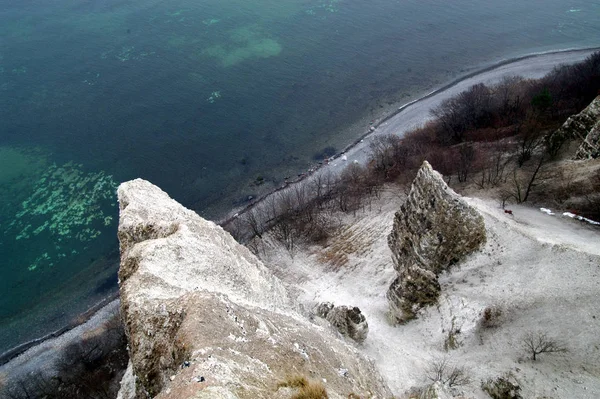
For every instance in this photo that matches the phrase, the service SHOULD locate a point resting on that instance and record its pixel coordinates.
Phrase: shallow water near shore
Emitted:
(207, 100)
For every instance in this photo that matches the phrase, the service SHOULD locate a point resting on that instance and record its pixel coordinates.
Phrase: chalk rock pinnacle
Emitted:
(434, 229)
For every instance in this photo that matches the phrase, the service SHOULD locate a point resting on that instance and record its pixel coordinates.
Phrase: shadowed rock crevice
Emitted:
(434, 229)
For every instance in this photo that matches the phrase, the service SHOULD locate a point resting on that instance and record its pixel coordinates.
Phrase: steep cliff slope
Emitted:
(206, 319)
(535, 272)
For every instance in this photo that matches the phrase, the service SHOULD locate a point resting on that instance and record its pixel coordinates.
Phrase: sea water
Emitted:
(214, 101)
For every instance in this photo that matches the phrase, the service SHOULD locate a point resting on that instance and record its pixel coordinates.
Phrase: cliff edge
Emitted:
(206, 319)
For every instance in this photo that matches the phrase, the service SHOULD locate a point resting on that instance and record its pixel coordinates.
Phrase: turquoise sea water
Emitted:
(201, 97)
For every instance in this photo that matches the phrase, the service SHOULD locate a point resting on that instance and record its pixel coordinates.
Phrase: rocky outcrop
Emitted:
(590, 146)
(434, 229)
(349, 321)
(206, 319)
(579, 127)
(435, 391)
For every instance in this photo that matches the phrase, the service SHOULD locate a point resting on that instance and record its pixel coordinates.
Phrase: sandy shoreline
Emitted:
(403, 119)
(85, 317)
(42, 356)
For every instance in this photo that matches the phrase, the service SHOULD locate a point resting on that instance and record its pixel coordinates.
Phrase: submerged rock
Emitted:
(434, 229)
(349, 321)
(206, 319)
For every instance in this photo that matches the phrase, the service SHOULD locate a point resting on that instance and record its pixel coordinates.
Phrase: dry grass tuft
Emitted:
(306, 389)
(347, 241)
(312, 391)
(297, 381)
(491, 317)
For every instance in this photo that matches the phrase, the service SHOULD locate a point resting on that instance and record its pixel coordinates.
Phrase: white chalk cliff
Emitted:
(206, 319)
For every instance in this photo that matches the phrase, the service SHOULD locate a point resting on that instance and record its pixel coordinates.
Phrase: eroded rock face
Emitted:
(206, 319)
(579, 127)
(349, 321)
(434, 229)
(590, 146)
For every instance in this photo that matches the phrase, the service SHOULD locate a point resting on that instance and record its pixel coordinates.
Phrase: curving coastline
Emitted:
(374, 128)
(12, 353)
(357, 150)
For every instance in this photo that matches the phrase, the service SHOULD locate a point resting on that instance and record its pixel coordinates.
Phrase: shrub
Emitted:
(491, 317)
(312, 391)
(542, 101)
(294, 382)
(504, 387)
(451, 342)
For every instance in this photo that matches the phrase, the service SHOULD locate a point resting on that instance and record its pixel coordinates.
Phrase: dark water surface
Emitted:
(201, 98)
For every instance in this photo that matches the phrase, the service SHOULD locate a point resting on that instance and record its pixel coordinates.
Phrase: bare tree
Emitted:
(385, 152)
(89, 367)
(272, 208)
(494, 163)
(538, 342)
(235, 228)
(255, 221)
(441, 370)
(467, 158)
(319, 187)
(283, 222)
(471, 109)
(523, 184)
(509, 94)
(531, 137)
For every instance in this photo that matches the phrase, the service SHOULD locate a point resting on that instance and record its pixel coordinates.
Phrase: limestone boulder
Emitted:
(349, 321)
(413, 289)
(434, 229)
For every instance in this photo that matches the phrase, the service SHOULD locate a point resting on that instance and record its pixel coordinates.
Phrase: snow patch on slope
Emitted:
(543, 273)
